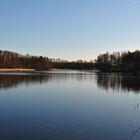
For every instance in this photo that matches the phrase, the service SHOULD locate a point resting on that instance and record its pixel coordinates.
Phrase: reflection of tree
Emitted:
(106, 81)
(10, 81)
(119, 82)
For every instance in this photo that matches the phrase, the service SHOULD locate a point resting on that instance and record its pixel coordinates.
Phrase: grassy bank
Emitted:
(16, 70)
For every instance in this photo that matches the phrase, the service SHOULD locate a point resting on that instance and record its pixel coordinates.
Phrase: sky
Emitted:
(69, 29)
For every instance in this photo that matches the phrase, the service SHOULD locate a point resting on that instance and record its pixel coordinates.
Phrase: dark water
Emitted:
(69, 105)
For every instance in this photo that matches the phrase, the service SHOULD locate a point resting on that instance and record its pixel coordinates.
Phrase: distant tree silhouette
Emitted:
(14, 60)
(111, 62)
(119, 62)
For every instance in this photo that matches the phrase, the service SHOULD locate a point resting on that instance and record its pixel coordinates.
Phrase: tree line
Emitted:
(15, 60)
(119, 61)
(111, 62)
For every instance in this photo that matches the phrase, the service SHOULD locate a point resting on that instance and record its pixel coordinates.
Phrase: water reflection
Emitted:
(11, 81)
(69, 106)
(14, 80)
(119, 82)
(116, 82)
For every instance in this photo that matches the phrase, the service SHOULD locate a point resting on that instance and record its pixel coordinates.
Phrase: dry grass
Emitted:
(15, 70)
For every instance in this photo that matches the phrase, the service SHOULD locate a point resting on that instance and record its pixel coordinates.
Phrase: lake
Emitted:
(69, 105)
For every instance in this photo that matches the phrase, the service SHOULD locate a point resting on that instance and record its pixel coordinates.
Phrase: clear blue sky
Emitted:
(70, 29)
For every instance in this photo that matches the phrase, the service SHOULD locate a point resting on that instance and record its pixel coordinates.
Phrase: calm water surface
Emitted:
(69, 105)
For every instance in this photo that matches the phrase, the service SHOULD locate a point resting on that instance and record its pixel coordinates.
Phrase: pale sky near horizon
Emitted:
(69, 29)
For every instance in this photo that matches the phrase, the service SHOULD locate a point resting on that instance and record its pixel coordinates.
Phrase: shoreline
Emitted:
(16, 70)
(6, 70)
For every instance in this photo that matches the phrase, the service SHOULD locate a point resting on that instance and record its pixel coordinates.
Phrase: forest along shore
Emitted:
(107, 62)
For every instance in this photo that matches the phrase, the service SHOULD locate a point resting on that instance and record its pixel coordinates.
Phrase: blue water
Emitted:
(69, 105)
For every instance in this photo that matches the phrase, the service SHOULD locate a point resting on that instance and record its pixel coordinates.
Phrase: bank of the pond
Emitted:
(16, 70)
